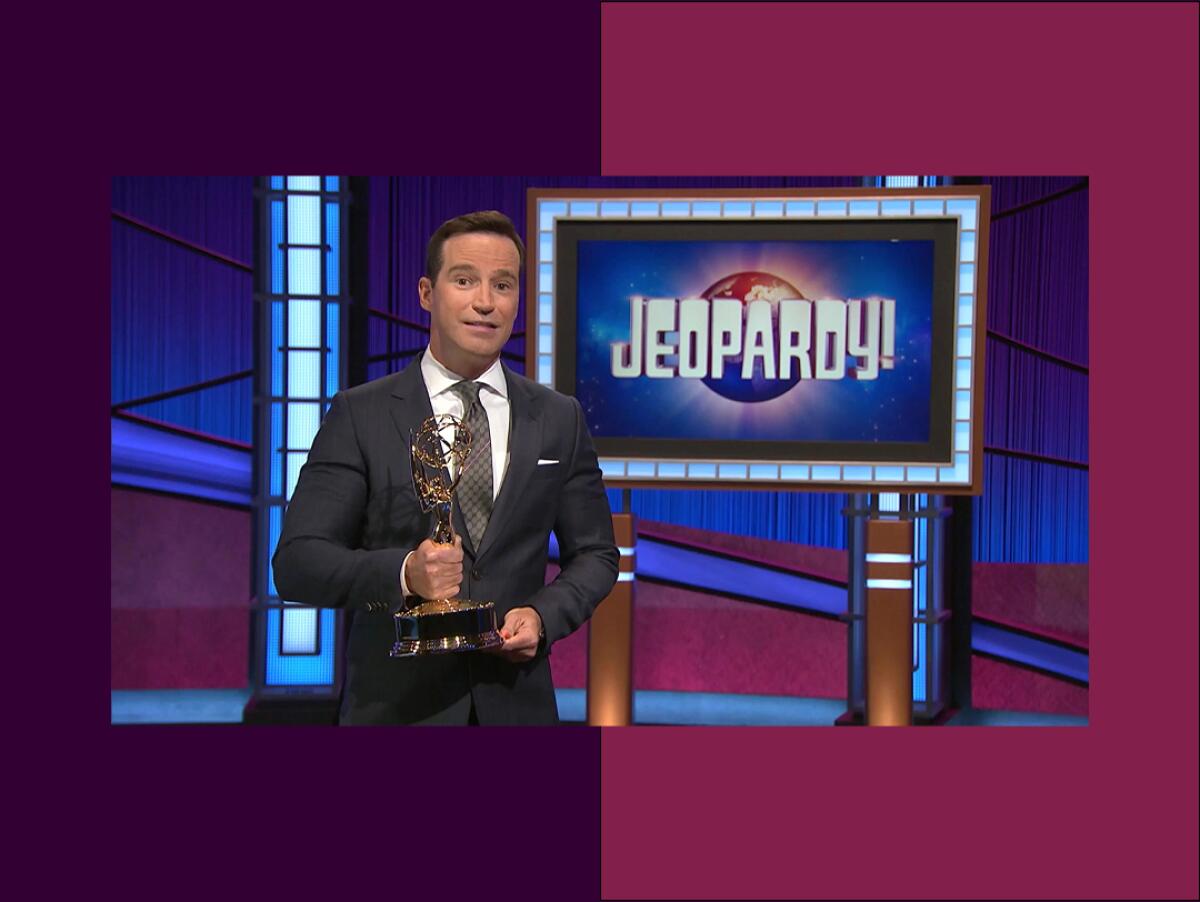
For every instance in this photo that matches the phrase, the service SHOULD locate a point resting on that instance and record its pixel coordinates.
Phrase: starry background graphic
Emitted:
(894, 407)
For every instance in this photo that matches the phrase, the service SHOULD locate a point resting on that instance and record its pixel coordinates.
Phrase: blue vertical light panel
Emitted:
(921, 576)
(302, 369)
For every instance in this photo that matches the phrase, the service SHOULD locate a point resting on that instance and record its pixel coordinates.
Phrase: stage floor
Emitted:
(225, 706)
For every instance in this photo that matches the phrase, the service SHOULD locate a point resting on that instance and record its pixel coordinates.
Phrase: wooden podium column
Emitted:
(610, 640)
(889, 616)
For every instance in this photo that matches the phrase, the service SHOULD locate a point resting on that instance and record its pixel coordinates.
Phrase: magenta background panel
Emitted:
(180, 648)
(690, 642)
(1048, 599)
(180, 593)
(1105, 811)
(1000, 686)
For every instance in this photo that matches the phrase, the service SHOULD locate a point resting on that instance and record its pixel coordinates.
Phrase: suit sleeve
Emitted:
(588, 556)
(318, 560)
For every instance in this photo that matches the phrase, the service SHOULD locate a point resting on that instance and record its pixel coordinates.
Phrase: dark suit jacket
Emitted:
(354, 516)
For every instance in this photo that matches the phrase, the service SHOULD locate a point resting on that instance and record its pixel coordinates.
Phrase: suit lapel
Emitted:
(410, 401)
(524, 442)
(410, 408)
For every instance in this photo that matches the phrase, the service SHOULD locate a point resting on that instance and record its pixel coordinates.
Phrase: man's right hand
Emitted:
(435, 571)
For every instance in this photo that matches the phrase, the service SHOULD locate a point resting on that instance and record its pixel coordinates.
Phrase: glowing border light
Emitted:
(889, 584)
(302, 362)
(926, 203)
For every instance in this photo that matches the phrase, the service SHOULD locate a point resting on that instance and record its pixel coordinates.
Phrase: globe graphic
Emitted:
(747, 287)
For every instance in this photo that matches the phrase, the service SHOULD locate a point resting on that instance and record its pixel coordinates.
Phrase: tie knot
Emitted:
(468, 391)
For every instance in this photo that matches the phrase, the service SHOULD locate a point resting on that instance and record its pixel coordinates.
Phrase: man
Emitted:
(354, 535)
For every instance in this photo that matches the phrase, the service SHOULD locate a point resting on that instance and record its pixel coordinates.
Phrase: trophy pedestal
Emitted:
(436, 627)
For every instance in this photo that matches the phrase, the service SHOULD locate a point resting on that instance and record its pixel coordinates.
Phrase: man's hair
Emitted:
(481, 221)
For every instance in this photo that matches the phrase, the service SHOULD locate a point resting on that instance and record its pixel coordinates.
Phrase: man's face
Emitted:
(473, 303)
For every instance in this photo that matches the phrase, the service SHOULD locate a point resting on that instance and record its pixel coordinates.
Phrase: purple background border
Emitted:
(230, 811)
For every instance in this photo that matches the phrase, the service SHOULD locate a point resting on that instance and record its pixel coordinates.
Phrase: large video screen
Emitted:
(810, 340)
(831, 342)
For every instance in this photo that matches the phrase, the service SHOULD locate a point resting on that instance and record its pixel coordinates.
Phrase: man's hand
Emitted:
(521, 632)
(435, 571)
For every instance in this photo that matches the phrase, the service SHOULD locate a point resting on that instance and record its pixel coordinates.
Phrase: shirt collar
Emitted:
(439, 379)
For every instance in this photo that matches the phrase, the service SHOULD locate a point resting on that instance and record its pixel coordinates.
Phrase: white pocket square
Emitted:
(544, 462)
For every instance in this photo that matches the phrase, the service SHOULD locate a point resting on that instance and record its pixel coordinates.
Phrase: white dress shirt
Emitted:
(493, 395)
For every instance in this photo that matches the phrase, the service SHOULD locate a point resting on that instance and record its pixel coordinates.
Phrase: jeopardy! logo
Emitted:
(751, 336)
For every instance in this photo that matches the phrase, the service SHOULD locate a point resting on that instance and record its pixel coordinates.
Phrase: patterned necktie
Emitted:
(475, 490)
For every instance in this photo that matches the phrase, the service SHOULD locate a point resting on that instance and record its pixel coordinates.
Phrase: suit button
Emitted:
(476, 574)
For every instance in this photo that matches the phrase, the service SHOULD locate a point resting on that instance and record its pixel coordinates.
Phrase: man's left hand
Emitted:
(521, 633)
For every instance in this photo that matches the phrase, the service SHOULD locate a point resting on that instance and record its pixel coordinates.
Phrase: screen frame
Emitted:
(698, 470)
(936, 450)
